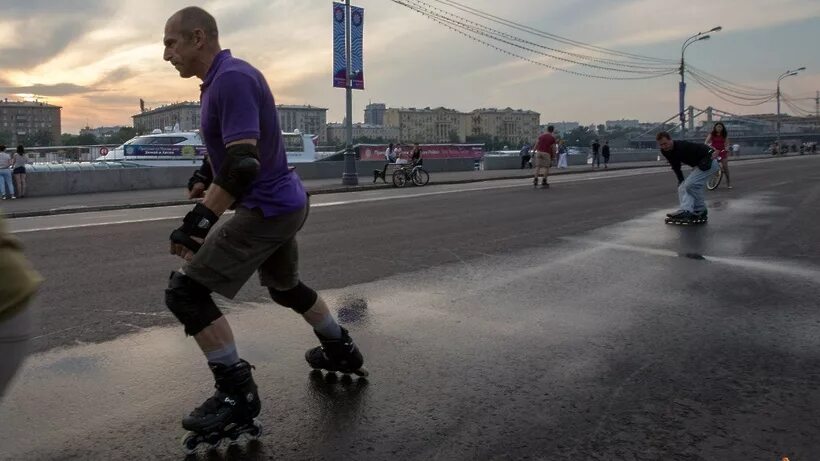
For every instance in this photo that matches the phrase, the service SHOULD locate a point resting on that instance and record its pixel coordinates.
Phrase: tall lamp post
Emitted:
(349, 176)
(788, 73)
(682, 88)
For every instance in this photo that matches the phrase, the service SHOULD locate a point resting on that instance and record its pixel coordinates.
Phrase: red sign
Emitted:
(429, 151)
(103, 151)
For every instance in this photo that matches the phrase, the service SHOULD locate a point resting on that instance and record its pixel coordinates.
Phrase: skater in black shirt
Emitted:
(690, 189)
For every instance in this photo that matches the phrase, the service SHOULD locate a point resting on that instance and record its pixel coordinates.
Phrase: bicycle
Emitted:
(714, 180)
(411, 173)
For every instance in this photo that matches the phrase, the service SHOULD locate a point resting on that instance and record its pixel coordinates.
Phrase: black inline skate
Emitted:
(229, 414)
(340, 355)
(684, 218)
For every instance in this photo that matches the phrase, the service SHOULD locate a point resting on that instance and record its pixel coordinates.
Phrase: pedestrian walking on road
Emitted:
(6, 186)
(18, 169)
(691, 190)
(596, 158)
(605, 154)
(18, 284)
(544, 154)
(243, 137)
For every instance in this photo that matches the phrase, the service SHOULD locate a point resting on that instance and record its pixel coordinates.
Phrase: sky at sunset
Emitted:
(97, 58)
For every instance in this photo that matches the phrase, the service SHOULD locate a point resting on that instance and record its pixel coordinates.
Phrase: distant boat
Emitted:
(185, 148)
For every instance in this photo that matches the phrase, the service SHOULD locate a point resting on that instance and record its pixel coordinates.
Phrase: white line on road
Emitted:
(777, 267)
(485, 187)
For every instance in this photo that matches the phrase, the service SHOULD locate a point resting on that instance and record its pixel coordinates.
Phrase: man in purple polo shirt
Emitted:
(248, 171)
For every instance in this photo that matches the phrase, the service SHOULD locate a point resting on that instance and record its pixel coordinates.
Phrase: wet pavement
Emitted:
(497, 321)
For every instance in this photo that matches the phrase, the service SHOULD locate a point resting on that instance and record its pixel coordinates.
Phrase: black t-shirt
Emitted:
(605, 150)
(595, 147)
(693, 154)
(416, 153)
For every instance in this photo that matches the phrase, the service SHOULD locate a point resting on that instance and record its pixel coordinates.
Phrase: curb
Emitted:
(324, 190)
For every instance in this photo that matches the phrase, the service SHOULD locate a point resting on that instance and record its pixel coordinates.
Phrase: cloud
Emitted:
(60, 89)
(116, 76)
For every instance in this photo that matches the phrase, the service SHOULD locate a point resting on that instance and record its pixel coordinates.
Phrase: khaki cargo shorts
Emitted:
(245, 243)
(542, 160)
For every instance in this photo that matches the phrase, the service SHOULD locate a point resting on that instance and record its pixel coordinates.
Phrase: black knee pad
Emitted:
(191, 303)
(299, 298)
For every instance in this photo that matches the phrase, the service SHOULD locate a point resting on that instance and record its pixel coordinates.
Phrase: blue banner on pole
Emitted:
(339, 62)
(357, 48)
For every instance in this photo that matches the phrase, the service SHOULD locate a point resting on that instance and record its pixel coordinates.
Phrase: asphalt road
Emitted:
(497, 322)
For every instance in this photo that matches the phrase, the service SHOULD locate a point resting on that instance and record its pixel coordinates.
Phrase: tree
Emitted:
(68, 139)
(37, 139)
(87, 139)
(123, 134)
(581, 136)
(5, 138)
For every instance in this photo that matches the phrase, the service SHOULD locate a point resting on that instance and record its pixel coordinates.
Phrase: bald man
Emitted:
(248, 172)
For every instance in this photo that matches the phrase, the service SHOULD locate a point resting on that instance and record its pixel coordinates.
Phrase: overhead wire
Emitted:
(474, 32)
(614, 62)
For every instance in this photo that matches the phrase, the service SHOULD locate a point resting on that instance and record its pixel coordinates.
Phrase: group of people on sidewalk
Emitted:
(393, 155)
(13, 167)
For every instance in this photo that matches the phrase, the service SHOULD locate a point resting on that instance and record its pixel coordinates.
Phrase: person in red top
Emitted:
(719, 140)
(544, 153)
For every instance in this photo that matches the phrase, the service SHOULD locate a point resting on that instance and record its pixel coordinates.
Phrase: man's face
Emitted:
(180, 51)
(665, 144)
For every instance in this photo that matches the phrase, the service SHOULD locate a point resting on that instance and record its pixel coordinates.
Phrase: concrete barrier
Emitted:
(79, 180)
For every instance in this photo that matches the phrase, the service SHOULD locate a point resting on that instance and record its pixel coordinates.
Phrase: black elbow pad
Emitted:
(240, 168)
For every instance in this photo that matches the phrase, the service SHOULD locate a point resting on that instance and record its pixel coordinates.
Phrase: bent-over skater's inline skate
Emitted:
(685, 218)
(340, 355)
(229, 414)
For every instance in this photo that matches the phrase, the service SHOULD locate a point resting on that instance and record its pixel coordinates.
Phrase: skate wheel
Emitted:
(361, 372)
(192, 443)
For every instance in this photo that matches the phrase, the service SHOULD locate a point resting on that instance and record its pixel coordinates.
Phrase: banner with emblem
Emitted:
(356, 47)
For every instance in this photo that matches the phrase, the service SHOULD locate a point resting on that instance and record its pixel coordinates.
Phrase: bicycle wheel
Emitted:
(420, 176)
(399, 177)
(714, 180)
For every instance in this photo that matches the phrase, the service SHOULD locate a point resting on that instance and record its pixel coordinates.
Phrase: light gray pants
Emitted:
(6, 185)
(14, 336)
(692, 190)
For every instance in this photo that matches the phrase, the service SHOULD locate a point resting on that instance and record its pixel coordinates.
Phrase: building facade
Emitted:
(306, 119)
(374, 114)
(336, 133)
(623, 123)
(24, 122)
(166, 117)
(103, 132)
(560, 127)
(439, 125)
(514, 126)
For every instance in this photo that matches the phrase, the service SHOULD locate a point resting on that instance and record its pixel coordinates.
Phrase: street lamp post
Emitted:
(788, 73)
(349, 176)
(682, 88)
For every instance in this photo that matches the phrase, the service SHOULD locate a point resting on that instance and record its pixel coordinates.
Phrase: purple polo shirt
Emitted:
(237, 104)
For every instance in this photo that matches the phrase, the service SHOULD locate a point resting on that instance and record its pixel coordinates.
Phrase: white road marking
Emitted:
(518, 184)
(776, 267)
(483, 186)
